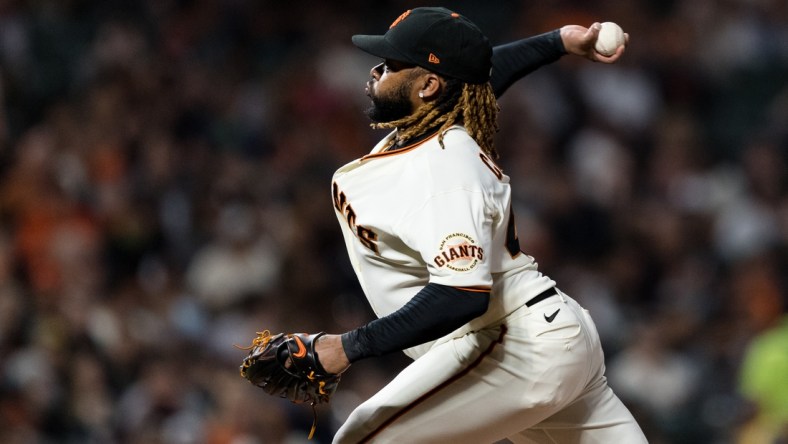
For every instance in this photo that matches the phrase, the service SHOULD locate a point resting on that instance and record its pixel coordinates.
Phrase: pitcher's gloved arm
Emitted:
(433, 312)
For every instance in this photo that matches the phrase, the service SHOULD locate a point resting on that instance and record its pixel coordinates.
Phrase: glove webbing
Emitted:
(262, 339)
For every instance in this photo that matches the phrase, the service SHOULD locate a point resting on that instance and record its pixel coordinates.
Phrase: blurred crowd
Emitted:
(165, 172)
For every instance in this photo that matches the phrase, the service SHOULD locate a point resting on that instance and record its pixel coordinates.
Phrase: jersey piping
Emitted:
(402, 150)
(475, 289)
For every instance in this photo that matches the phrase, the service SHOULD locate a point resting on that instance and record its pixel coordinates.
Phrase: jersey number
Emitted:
(512, 241)
(492, 166)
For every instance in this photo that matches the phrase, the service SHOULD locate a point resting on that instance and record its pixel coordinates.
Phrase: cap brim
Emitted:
(378, 46)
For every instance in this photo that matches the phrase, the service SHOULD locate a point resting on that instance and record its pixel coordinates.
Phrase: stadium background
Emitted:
(164, 193)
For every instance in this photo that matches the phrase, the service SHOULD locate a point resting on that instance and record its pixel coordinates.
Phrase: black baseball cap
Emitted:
(436, 39)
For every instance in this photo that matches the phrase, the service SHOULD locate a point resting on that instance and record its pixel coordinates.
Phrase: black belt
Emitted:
(542, 296)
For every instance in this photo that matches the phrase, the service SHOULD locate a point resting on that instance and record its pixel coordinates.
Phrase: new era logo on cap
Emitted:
(433, 59)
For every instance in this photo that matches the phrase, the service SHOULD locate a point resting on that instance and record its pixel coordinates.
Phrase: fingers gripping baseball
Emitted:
(587, 42)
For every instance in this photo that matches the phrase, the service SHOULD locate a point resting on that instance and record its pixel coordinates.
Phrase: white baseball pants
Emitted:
(528, 380)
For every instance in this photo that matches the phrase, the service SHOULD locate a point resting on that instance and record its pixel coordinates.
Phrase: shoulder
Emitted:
(458, 163)
(458, 146)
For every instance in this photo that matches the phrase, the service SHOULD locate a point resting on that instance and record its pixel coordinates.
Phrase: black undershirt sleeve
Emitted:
(433, 312)
(513, 61)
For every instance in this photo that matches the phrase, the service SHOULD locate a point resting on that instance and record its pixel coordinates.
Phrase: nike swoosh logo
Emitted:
(301, 348)
(552, 316)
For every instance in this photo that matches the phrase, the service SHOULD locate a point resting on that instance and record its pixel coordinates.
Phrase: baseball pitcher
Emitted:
(499, 351)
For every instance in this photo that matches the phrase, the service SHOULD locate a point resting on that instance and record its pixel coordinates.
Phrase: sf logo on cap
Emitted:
(400, 18)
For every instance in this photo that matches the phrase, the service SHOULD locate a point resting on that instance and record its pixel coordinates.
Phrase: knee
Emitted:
(354, 429)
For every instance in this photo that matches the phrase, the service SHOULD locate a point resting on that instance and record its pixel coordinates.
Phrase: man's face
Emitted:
(391, 90)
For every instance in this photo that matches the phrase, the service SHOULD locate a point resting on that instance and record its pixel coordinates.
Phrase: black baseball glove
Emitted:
(286, 365)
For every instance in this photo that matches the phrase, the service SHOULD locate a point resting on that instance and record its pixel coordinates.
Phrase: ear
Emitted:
(431, 86)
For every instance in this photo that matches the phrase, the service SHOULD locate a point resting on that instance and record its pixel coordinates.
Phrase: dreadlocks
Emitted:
(470, 105)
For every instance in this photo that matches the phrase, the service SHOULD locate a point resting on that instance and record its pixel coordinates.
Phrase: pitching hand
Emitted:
(579, 40)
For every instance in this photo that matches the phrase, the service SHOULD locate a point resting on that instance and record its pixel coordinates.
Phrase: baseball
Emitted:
(611, 36)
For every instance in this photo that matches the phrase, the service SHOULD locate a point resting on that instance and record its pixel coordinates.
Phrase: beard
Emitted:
(390, 107)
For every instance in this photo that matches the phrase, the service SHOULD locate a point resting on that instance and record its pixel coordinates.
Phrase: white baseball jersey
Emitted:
(532, 374)
(426, 214)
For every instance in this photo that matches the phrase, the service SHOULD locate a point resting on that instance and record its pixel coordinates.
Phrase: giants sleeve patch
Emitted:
(458, 252)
